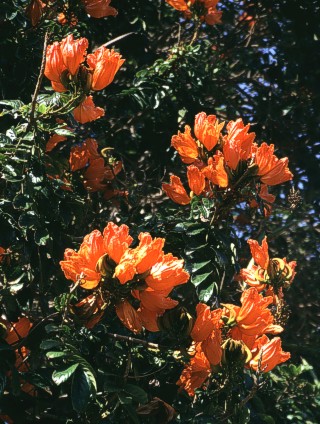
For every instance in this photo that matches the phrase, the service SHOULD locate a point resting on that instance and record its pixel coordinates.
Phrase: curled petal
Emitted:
(54, 63)
(196, 180)
(116, 240)
(148, 252)
(129, 316)
(180, 5)
(73, 52)
(207, 130)
(87, 111)
(105, 64)
(238, 144)
(176, 191)
(126, 269)
(167, 273)
(268, 354)
(149, 319)
(185, 145)
(195, 373)
(99, 8)
(215, 171)
(272, 170)
(260, 253)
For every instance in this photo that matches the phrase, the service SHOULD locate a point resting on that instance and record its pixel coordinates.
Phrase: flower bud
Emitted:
(105, 266)
(235, 353)
(177, 322)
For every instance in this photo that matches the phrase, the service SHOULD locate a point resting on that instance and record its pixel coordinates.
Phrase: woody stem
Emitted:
(133, 340)
(38, 85)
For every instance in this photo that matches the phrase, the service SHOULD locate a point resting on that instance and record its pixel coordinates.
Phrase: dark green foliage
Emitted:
(267, 74)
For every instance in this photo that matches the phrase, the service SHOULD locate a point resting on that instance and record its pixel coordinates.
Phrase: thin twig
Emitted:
(38, 85)
(133, 340)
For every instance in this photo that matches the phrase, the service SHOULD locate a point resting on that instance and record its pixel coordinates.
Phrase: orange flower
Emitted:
(215, 171)
(265, 195)
(238, 143)
(99, 8)
(34, 11)
(98, 174)
(87, 111)
(116, 240)
(80, 155)
(204, 323)
(70, 20)
(213, 16)
(126, 270)
(73, 52)
(267, 354)
(207, 129)
(195, 373)
(155, 300)
(105, 64)
(153, 304)
(58, 87)
(2, 254)
(89, 310)
(110, 256)
(53, 141)
(253, 318)
(207, 329)
(185, 145)
(54, 63)
(180, 5)
(167, 273)
(196, 180)
(148, 319)
(140, 259)
(148, 253)
(176, 191)
(18, 331)
(84, 261)
(260, 253)
(129, 316)
(272, 171)
(248, 275)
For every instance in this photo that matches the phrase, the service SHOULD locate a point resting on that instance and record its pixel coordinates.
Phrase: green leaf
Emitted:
(3, 382)
(81, 390)
(137, 393)
(263, 418)
(22, 202)
(28, 220)
(198, 279)
(64, 132)
(124, 398)
(197, 266)
(14, 104)
(4, 140)
(41, 236)
(52, 355)
(49, 344)
(205, 294)
(64, 374)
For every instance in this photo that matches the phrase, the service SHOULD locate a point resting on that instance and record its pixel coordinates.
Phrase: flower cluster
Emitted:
(98, 170)
(14, 334)
(66, 70)
(94, 8)
(267, 274)
(137, 281)
(205, 10)
(224, 163)
(233, 337)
